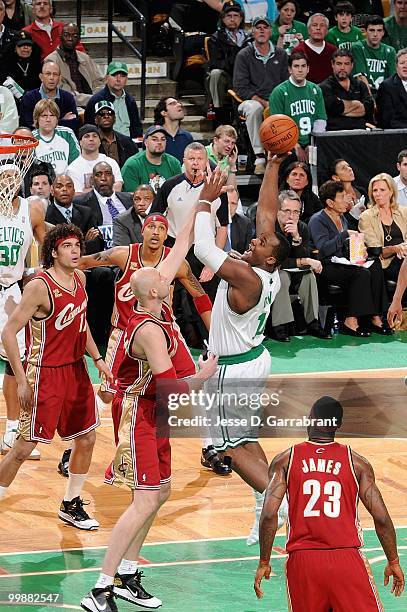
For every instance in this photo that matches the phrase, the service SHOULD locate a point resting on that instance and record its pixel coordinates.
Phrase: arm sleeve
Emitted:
(223, 211)
(205, 248)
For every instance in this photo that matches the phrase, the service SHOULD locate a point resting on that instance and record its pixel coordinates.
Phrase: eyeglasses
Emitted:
(294, 213)
(106, 114)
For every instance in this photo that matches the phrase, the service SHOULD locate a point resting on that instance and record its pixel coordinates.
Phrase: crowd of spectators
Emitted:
(318, 62)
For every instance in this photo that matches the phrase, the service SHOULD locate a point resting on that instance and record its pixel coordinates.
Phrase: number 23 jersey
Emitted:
(323, 494)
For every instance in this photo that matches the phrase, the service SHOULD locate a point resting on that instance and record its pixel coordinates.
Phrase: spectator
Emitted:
(169, 113)
(18, 14)
(318, 51)
(258, 8)
(396, 26)
(344, 35)
(366, 9)
(223, 46)
(40, 186)
(373, 60)
(287, 32)
(364, 287)
(240, 229)
(151, 166)
(348, 102)
(302, 281)
(384, 224)
(105, 202)
(82, 168)
(311, 7)
(44, 30)
(8, 111)
(401, 179)
(302, 101)
(80, 75)
(223, 151)
(127, 115)
(258, 69)
(356, 197)
(297, 177)
(6, 34)
(58, 145)
(391, 97)
(113, 144)
(49, 89)
(127, 227)
(36, 165)
(22, 62)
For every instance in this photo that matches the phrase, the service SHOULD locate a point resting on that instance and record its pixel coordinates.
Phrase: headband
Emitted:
(60, 240)
(154, 217)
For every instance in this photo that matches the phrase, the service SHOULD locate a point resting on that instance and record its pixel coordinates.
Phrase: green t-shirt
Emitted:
(139, 171)
(375, 64)
(290, 38)
(396, 35)
(303, 104)
(223, 163)
(344, 40)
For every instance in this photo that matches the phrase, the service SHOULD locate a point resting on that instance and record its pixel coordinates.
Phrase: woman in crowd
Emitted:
(365, 287)
(22, 62)
(384, 224)
(356, 197)
(297, 177)
(18, 14)
(287, 32)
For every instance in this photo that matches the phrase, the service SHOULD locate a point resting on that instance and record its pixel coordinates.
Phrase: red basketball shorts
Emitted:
(64, 401)
(142, 460)
(324, 580)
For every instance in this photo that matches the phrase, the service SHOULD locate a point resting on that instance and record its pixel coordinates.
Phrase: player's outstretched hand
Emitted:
(395, 314)
(398, 578)
(276, 159)
(263, 571)
(207, 367)
(104, 371)
(213, 185)
(25, 395)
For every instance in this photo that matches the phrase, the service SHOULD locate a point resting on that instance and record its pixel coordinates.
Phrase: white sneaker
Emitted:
(282, 519)
(7, 443)
(260, 166)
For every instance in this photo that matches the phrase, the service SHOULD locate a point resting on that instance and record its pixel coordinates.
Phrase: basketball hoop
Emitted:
(17, 153)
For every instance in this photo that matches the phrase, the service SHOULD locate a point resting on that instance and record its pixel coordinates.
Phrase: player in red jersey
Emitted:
(326, 571)
(142, 459)
(54, 390)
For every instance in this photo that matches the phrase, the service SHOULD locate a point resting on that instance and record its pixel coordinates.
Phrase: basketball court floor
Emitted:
(196, 557)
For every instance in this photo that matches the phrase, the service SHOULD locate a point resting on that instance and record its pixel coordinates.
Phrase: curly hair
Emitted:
(64, 230)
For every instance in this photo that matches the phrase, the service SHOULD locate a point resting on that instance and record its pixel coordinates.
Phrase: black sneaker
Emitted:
(128, 587)
(63, 465)
(99, 599)
(210, 459)
(72, 512)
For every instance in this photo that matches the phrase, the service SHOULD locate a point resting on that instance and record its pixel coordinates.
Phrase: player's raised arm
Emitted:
(374, 504)
(117, 256)
(395, 311)
(201, 299)
(267, 206)
(269, 516)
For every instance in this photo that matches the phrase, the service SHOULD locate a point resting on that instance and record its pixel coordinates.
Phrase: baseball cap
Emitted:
(230, 6)
(23, 38)
(153, 129)
(115, 67)
(103, 104)
(87, 129)
(261, 19)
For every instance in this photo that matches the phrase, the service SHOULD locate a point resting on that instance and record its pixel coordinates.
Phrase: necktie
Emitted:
(228, 243)
(111, 208)
(68, 215)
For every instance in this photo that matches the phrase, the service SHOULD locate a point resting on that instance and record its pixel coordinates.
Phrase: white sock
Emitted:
(206, 442)
(3, 491)
(101, 405)
(127, 567)
(11, 425)
(74, 486)
(103, 581)
(259, 497)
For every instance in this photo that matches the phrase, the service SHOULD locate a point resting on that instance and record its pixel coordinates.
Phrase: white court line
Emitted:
(43, 605)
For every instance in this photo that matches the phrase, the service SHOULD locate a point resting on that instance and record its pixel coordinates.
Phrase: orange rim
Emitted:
(29, 143)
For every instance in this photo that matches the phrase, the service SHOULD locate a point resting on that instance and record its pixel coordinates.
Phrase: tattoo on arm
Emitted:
(192, 283)
(103, 256)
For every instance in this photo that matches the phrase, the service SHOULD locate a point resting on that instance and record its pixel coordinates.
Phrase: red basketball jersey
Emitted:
(123, 296)
(134, 376)
(60, 338)
(322, 493)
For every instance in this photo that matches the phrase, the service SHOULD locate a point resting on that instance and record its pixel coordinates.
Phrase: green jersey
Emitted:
(375, 64)
(396, 35)
(303, 104)
(344, 40)
(60, 150)
(290, 38)
(137, 170)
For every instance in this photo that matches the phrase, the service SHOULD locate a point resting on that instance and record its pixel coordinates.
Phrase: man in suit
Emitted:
(392, 96)
(127, 227)
(112, 143)
(241, 229)
(63, 210)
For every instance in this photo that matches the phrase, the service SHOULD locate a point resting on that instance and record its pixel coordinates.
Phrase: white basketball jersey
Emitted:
(231, 333)
(16, 236)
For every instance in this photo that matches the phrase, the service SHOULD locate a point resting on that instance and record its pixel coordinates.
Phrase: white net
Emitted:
(16, 156)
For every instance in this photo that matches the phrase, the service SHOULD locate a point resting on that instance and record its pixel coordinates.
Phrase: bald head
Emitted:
(143, 283)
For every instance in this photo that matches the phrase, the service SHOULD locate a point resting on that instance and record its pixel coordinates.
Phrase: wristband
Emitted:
(97, 359)
(202, 303)
(205, 202)
(395, 561)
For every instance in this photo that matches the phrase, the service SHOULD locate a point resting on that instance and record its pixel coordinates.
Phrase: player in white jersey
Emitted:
(239, 314)
(16, 235)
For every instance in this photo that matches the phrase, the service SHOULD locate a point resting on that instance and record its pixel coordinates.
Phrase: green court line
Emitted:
(213, 575)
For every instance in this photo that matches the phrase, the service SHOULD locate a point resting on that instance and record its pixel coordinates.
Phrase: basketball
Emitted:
(279, 134)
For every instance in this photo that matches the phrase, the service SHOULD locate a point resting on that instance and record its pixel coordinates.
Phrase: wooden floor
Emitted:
(202, 505)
